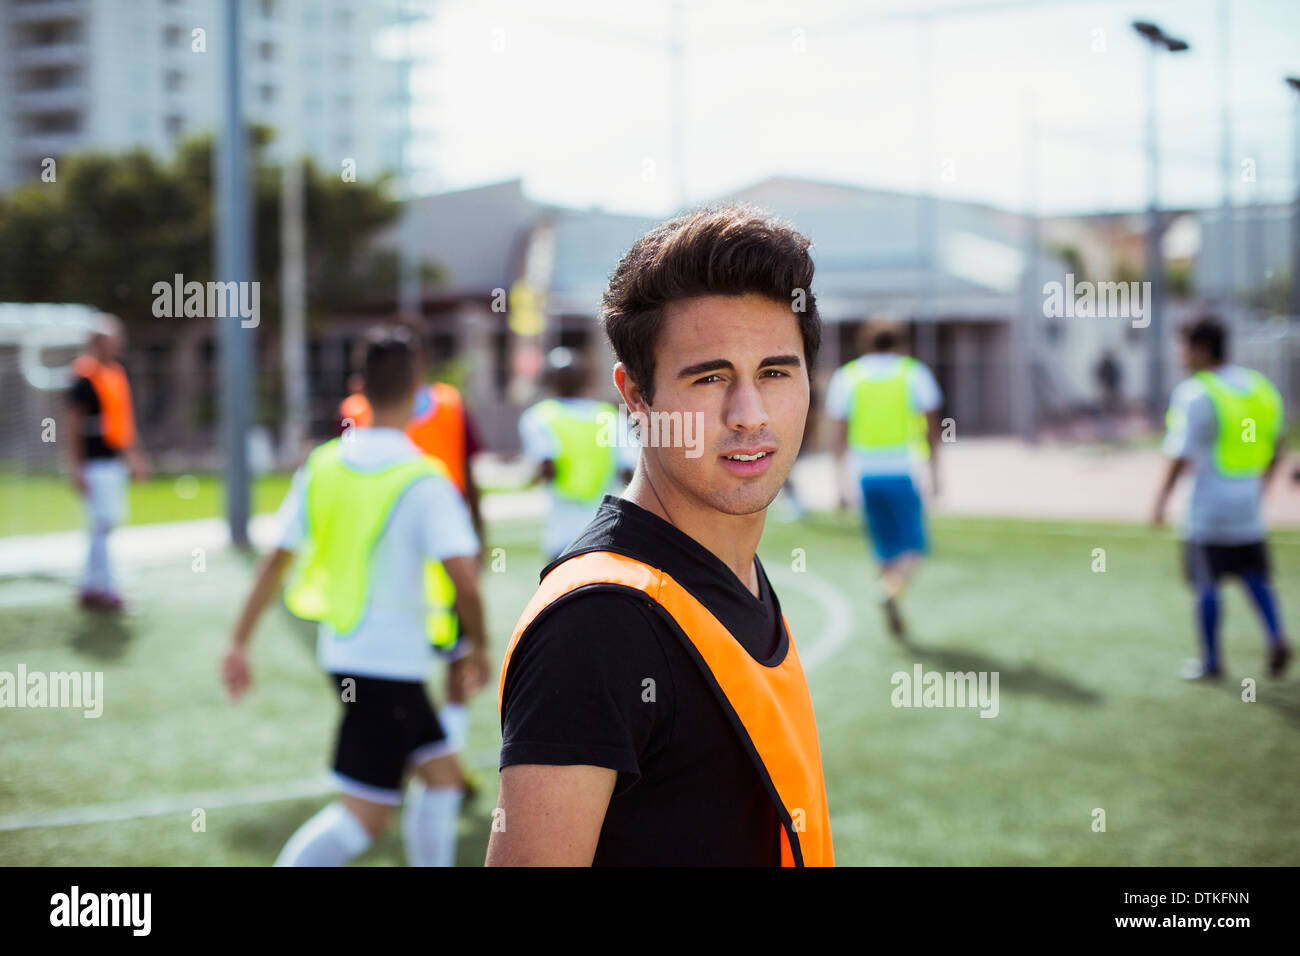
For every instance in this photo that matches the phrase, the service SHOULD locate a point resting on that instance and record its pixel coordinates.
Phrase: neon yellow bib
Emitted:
(583, 469)
(347, 512)
(880, 411)
(1248, 424)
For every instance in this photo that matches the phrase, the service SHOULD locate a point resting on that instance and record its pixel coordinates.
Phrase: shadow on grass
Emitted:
(101, 635)
(1027, 679)
(265, 834)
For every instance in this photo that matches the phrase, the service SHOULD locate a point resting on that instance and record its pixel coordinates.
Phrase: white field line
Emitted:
(835, 633)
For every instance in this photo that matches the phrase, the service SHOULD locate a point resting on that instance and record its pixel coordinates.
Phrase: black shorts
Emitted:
(388, 726)
(1204, 564)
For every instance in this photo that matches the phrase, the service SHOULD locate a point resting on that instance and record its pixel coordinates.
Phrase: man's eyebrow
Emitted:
(714, 365)
(780, 360)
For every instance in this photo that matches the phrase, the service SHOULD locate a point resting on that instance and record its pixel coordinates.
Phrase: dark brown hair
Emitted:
(389, 365)
(717, 250)
(1206, 332)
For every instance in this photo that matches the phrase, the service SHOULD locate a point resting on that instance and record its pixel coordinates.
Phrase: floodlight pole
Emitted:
(234, 264)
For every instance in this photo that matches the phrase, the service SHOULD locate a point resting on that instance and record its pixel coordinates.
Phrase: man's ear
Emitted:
(627, 387)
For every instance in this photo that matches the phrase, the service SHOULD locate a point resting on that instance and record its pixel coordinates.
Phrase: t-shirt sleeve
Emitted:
(837, 395)
(926, 395)
(291, 518)
(589, 685)
(446, 530)
(82, 396)
(1186, 422)
(535, 437)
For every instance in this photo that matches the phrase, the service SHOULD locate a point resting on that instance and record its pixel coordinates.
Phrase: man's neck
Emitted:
(732, 539)
(391, 418)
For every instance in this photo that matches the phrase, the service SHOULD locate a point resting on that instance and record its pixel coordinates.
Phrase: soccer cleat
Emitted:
(1278, 658)
(1196, 670)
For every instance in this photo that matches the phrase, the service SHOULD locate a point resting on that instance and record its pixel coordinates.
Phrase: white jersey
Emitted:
(566, 519)
(429, 522)
(923, 391)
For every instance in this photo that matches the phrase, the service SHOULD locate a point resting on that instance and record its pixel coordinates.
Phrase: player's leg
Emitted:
(1255, 574)
(432, 809)
(105, 508)
(1199, 567)
(340, 832)
(369, 759)
(884, 532)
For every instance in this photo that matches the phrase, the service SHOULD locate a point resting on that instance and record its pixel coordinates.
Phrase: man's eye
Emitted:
(776, 371)
(707, 379)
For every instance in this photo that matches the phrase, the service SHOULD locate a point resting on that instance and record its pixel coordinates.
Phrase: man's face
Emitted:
(732, 368)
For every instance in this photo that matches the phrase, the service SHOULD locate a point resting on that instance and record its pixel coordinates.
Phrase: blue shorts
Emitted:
(895, 520)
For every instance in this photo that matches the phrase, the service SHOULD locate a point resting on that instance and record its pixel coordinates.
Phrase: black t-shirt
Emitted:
(579, 691)
(82, 395)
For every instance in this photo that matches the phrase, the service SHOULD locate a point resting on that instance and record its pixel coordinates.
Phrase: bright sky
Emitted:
(574, 97)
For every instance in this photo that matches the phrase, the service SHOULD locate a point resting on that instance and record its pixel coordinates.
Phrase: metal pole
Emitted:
(293, 275)
(677, 107)
(293, 341)
(408, 290)
(1023, 414)
(1154, 265)
(1295, 213)
(1227, 288)
(234, 264)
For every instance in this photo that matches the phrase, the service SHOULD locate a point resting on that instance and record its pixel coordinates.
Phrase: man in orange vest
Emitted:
(653, 707)
(101, 424)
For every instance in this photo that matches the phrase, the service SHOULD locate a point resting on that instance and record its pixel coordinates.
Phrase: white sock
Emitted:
(429, 820)
(455, 723)
(330, 838)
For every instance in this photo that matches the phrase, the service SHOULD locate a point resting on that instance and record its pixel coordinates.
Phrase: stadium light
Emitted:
(1156, 39)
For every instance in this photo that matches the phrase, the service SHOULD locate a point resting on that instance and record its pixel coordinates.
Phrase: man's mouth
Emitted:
(748, 462)
(754, 457)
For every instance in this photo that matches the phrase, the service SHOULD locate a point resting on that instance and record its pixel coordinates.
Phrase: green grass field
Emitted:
(1091, 712)
(35, 504)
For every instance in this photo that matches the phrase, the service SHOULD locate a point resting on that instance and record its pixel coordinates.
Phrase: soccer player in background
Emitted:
(102, 447)
(886, 409)
(653, 708)
(561, 436)
(440, 426)
(1225, 426)
(368, 516)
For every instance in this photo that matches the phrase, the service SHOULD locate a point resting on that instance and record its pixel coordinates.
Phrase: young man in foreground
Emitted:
(1225, 424)
(654, 710)
(369, 515)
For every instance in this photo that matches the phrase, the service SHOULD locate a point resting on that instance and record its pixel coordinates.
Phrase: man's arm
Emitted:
(1176, 466)
(932, 436)
(841, 447)
(471, 671)
(74, 423)
(551, 815)
(235, 665)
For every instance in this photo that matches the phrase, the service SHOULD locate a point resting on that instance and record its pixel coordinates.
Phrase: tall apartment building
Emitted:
(115, 74)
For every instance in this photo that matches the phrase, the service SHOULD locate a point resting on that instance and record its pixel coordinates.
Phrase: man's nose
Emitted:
(745, 408)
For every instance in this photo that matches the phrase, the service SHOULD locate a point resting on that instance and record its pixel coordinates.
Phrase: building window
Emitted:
(266, 50)
(268, 8)
(173, 36)
(174, 125)
(54, 123)
(173, 80)
(266, 93)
